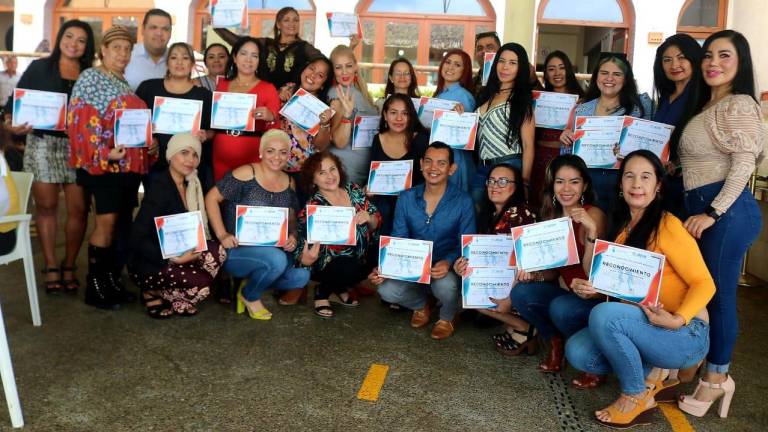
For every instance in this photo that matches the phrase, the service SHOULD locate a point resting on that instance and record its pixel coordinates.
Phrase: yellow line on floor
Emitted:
(373, 382)
(676, 418)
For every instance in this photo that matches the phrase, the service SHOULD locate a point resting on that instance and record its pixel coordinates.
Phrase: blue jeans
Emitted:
(532, 301)
(620, 339)
(605, 182)
(414, 296)
(265, 268)
(479, 190)
(570, 313)
(723, 246)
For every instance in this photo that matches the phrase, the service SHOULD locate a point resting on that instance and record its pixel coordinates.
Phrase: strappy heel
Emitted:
(52, 286)
(695, 407)
(641, 414)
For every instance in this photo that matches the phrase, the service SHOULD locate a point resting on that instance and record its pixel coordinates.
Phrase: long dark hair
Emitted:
(230, 72)
(466, 76)
(280, 14)
(89, 55)
(572, 85)
(550, 207)
(743, 82)
(487, 218)
(322, 93)
(628, 97)
(413, 89)
(414, 125)
(520, 99)
(644, 233)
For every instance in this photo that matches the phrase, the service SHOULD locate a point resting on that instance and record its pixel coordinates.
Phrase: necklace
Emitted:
(508, 89)
(114, 77)
(247, 84)
(608, 109)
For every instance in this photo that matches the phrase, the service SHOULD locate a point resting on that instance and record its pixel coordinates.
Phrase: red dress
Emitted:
(229, 151)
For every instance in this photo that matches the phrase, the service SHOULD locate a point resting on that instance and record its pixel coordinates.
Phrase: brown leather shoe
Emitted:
(443, 329)
(420, 317)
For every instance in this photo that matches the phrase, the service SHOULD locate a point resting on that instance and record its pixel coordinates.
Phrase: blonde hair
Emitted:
(275, 135)
(359, 82)
(114, 33)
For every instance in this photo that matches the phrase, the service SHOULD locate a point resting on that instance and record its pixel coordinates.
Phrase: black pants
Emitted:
(338, 275)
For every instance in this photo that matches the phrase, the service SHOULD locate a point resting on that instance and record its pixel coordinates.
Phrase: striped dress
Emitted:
(492, 134)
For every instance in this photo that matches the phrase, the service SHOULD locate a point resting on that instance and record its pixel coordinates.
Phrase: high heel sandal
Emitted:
(242, 306)
(507, 345)
(695, 407)
(556, 358)
(641, 414)
(293, 297)
(663, 387)
(588, 381)
(70, 285)
(52, 286)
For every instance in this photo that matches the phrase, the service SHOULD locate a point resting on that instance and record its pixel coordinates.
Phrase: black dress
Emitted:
(283, 66)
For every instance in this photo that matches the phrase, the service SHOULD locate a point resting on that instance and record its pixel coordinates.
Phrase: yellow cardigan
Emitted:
(9, 191)
(686, 285)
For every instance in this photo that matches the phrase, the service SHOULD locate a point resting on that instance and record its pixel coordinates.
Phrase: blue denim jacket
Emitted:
(453, 216)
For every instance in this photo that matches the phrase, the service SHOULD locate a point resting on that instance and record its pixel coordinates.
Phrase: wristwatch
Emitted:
(711, 212)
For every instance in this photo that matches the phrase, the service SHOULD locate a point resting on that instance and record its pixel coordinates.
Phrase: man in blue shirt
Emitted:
(148, 57)
(441, 213)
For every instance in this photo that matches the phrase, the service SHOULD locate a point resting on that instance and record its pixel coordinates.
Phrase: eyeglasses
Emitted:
(502, 182)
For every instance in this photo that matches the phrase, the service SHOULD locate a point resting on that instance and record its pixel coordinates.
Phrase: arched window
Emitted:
(102, 14)
(421, 31)
(261, 14)
(584, 29)
(701, 18)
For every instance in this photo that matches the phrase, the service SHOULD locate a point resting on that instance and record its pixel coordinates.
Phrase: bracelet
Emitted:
(345, 120)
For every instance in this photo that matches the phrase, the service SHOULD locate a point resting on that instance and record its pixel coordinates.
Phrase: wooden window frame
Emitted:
(425, 21)
(106, 15)
(255, 17)
(702, 32)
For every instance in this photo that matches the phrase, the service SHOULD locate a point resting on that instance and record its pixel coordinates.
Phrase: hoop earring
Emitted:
(621, 194)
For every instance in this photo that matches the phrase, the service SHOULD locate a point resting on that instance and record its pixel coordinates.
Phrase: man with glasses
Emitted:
(486, 42)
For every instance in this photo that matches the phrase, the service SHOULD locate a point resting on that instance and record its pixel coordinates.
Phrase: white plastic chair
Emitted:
(23, 251)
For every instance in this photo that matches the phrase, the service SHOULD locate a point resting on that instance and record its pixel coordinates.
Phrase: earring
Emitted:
(621, 194)
(581, 200)
(554, 201)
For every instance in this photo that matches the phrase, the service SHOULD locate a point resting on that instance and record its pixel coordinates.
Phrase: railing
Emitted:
(430, 69)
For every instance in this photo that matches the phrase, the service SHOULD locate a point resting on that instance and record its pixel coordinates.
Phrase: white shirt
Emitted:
(142, 67)
(7, 84)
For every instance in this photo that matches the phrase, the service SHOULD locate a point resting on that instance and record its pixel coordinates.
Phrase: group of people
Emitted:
(694, 209)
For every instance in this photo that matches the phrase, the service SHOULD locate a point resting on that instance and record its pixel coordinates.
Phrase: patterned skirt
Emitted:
(47, 157)
(185, 285)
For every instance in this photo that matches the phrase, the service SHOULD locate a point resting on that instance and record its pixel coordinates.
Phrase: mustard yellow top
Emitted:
(686, 285)
(9, 198)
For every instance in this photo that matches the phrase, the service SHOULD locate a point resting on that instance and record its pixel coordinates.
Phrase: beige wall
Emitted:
(519, 23)
(568, 39)
(750, 17)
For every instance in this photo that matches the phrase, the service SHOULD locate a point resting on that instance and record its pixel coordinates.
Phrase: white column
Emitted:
(30, 25)
(182, 13)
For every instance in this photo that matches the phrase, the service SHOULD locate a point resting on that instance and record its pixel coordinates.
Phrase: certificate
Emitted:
(133, 128)
(457, 130)
(229, 13)
(553, 110)
(390, 177)
(261, 226)
(331, 225)
(639, 134)
(596, 138)
(233, 111)
(487, 65)
(40, 109)
(173, 115)
(180, 233)
(480, 284)
(343, 24)
(405, 259)
(545, 245)
(488, 250)
(427, 107)
(363, 130)
(627, 273)
(303, 109)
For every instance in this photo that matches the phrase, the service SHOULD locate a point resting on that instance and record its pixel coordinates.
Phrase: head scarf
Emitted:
(194, 195)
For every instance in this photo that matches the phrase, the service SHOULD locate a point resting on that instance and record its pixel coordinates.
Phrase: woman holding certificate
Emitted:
(178, 284)
(234, 148)
(336, 266)
(719, 149)
(506, 126)
(47, 152)
(109, 174)
(627, 339)
(542, 297)
(401, 79)
(262, 264)
(454, 83)
(559, 77)
(503, 208)
(612, 92)
(401, 137)
(349, 98)
(177, 84)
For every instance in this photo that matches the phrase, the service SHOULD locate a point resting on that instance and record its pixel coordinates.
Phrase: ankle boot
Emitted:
(556, 357)
(98, 290)
(113, 279)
